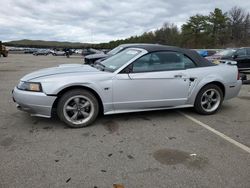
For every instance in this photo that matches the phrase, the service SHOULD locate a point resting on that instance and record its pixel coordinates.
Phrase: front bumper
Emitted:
(35, 103)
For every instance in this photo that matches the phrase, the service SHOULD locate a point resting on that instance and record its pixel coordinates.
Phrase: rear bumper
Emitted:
(232, 90)
(35, 103)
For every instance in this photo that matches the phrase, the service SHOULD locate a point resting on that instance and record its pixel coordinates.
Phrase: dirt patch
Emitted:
(174, 157)
(244, 98)
(111, 126)
(86, 134)
(6, 142)
(8, 70)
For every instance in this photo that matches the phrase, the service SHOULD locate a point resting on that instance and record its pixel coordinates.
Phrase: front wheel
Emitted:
(78, 108)
(209, 99)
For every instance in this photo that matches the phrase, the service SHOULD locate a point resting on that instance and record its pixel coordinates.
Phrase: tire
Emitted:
(78, 108)
(209, 100)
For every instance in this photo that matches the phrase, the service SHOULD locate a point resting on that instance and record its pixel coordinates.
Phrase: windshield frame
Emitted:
(116, 50)
(141, 53)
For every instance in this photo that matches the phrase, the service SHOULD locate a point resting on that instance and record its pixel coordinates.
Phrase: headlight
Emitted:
(30, 86)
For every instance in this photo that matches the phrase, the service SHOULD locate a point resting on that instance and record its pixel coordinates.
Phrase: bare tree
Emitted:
(246, 33)
(237, 17)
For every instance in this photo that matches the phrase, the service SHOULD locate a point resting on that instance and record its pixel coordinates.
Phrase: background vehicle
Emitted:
(223, 54)
(59, 53)
(3, 50)
(89, 51)
(205, 53)
(148, 77)
(242, 57)
(78, 51)
(91, 59)
(42, 52)
(30, 51)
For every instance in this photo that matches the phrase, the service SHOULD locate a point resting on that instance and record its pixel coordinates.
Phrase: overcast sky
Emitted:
(97, 20)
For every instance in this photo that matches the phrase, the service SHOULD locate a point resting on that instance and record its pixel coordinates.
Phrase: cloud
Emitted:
(97, 20)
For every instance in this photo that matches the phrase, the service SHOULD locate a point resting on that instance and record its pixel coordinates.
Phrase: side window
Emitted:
(162, 61)
(188, 62)
(241, 52)
(248, 51)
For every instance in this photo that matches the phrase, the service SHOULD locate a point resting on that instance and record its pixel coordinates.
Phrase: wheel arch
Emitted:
(200, 86)
(64, 90)
(219, 84)
(197, 100)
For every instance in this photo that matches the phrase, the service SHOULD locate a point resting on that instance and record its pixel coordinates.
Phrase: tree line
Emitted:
(218, 29)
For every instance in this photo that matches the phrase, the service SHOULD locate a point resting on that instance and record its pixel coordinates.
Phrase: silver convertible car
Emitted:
(148, 77)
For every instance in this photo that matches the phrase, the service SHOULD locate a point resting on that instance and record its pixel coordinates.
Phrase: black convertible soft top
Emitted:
(192, 54)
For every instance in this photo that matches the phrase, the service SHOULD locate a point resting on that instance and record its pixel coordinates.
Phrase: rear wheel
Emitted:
(209, 99)
(78, 108)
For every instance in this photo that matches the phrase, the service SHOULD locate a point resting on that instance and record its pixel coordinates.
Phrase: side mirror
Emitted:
(235, 56)
(128, 69)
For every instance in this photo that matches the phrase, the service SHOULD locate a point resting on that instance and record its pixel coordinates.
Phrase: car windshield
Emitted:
(227, 52)
(115, 62)
(115, 50)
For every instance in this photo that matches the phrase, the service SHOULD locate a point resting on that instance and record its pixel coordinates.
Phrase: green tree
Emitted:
(195, 31)
(219, 27)
(237, 17)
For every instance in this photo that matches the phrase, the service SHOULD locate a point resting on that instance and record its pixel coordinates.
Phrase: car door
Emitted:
(241, 58)
(156, 80)
(248, 58)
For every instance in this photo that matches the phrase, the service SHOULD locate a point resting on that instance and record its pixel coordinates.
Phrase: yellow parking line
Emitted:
(225, 137)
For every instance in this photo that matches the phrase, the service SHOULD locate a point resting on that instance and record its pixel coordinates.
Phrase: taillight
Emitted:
(238, 76)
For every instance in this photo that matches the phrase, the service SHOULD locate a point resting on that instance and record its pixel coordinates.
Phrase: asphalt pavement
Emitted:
(169, 148)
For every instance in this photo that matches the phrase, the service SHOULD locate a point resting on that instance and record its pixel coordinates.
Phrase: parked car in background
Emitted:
(42, 52)
(89, 51)
(30, 51)
(148, 77)
(91, 59)
(240, 55)
(105, 50)
(223, 54)
(206, 52)
(58, 53)
(78, 51)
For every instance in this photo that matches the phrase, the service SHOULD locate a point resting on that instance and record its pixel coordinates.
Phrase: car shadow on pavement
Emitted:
(106, 120)
(109, 121)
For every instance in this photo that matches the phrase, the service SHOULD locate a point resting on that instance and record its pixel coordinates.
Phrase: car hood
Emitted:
(96, 56)
(61, 69)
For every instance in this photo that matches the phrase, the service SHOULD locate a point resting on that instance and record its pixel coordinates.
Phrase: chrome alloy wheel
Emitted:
(78, 109)
(210, 100)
